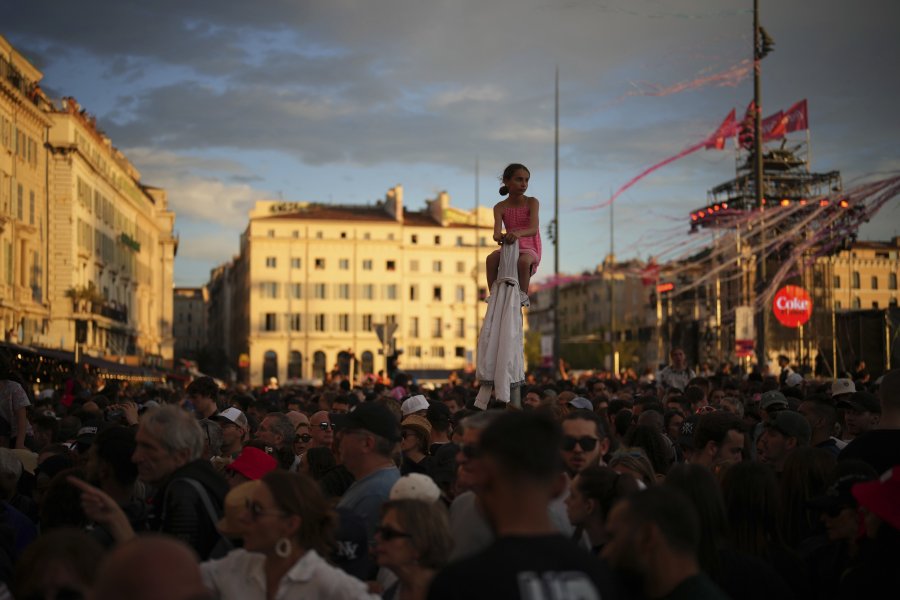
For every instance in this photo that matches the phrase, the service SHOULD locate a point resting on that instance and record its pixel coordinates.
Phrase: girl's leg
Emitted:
(524, 266)
(493, 267)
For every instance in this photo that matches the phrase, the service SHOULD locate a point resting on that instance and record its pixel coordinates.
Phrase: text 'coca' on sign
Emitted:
(792, 306)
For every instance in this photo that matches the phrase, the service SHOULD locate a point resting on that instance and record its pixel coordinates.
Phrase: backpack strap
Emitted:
(201, 491)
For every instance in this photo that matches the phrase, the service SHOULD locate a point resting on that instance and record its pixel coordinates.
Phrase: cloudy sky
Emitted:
(223, 103)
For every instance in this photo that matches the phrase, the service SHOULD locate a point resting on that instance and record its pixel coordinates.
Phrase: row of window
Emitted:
(17, 207)
(272, 322)
(17, 141)
(855, 282)
(367, 264)
(857, 304)
(344, 291)
(413, 238)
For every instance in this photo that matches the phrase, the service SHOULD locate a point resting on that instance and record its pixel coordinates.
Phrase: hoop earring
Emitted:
(283, 547)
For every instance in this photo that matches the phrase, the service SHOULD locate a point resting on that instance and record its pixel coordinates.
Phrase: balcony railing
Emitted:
(104, 309)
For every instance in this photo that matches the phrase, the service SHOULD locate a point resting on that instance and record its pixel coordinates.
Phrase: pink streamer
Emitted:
(647, 171)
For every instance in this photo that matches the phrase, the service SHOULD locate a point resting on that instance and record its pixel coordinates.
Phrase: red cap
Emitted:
(253, 463)
(882, 496)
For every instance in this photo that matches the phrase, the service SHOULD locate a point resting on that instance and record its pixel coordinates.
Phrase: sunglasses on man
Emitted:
(587, 443)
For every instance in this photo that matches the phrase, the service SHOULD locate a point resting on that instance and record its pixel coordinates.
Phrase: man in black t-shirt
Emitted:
(880, 447)
(529, 559)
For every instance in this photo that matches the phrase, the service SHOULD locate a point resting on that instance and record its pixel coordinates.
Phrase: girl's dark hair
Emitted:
(297, 494)
(508, 172)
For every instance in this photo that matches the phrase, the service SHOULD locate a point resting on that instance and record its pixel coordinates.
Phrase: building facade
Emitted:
(189, 323)
(24, 218)
(314, 282)
(112, 244)
(88, 250)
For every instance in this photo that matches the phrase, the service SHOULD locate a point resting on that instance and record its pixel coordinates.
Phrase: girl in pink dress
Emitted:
(519, 213)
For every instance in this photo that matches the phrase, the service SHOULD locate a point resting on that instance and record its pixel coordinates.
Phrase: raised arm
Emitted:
(498, 222)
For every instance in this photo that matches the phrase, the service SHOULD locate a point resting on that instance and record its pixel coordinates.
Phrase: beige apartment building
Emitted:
(865, 275)
(24, 235)
(313, 281)
(112, 246)
(189, 322)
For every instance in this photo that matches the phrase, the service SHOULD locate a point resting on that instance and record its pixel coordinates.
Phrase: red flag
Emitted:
(725, 131)
(797, 117)
(773, 126)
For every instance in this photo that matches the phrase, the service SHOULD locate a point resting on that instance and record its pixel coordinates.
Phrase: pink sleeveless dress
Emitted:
(519, 217)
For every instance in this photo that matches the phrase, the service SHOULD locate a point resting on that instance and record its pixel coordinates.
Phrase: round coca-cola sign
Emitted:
(792, 306)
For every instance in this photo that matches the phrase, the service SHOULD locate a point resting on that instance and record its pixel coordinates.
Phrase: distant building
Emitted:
(189, 324)
(87, 249)
(612, 298)
(313, 281)
(864, 276)
(24, 222)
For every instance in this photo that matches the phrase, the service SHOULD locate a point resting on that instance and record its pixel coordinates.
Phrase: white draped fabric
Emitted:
(501, 363)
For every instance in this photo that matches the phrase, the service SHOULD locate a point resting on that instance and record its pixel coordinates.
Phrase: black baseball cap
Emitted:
(861, 402)
(371, 417)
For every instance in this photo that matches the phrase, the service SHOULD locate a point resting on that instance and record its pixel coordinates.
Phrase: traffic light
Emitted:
(392, 363)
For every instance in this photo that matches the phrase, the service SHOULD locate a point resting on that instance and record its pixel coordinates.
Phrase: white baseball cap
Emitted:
(842, 386)
(413, 404)
(235, 416)
(415, 486)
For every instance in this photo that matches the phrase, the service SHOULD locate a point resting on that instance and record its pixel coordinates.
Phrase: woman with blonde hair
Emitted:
(414, 542)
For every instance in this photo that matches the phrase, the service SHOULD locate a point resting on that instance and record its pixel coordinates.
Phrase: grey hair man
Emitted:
(168, 454)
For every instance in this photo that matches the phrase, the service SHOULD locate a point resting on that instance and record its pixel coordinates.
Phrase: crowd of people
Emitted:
(671, 485)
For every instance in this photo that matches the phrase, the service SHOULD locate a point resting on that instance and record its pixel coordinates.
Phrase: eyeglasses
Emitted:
(587, 443)
(387, 533)
(325, 426)
(256, 511)
(304, 437)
